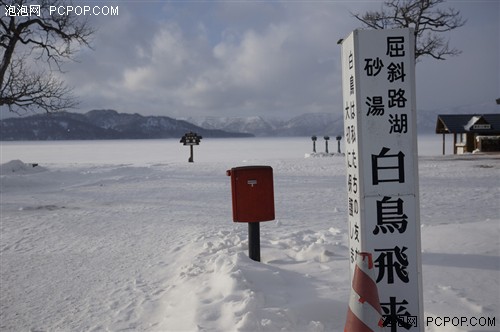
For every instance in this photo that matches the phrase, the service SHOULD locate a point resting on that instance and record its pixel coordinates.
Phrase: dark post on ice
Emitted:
(191, 139)
(327, 138)
(338, 143)
(314, 139)
(252, 192)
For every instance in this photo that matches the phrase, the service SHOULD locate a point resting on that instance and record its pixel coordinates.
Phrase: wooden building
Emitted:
(471, 132)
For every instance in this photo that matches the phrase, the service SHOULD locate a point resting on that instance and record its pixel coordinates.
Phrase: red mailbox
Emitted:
(253, 193)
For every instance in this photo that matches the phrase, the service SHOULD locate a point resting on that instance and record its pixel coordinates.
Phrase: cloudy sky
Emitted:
(271, 58)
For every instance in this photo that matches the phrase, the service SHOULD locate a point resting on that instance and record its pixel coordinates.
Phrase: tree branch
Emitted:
(48, 39)
(422, 15)
(30, 90)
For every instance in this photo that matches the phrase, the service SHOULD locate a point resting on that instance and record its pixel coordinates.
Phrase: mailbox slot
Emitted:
(253, 193)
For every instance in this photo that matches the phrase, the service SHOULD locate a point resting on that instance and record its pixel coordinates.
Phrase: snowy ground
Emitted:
(128, 236)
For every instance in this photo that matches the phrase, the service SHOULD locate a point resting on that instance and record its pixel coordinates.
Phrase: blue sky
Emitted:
(270, 58)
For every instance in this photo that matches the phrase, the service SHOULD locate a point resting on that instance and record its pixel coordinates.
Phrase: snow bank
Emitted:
(17, 166)
(221, 289)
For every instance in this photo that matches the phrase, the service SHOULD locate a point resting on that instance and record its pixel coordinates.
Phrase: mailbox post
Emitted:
(253, 201)
(191, 139)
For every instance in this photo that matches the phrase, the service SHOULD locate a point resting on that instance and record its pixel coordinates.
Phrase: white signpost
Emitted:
(378, 82)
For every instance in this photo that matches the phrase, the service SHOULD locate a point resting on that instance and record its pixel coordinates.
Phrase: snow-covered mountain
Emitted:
(255, 125)
(303, 125)
(321, 124)
(109, 124)
(309, 124)
(100, 124)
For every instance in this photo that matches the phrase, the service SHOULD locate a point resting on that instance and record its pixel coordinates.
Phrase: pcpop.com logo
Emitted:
(443, 321)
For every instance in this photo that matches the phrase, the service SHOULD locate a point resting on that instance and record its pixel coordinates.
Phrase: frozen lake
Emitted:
(129, 236)
(170, 150)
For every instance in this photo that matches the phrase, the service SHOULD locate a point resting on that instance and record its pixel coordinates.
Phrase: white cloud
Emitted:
(279, 65)
(223, 58)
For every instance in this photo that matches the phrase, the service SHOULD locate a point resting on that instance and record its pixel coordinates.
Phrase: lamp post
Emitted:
(326, 143)
(191, 139)
(314, 138)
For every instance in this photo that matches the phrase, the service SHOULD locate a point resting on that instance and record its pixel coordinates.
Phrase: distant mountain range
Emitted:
(100, 124)
(322, 124)
(303, 125)
(109, 124)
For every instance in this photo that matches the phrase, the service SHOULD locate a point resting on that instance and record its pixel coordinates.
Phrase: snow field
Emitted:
(149, 244)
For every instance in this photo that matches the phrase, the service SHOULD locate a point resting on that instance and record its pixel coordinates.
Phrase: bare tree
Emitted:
(33, 36)
(428, 20)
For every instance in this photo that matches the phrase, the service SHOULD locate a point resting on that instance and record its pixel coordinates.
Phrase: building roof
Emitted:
(486, 124)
